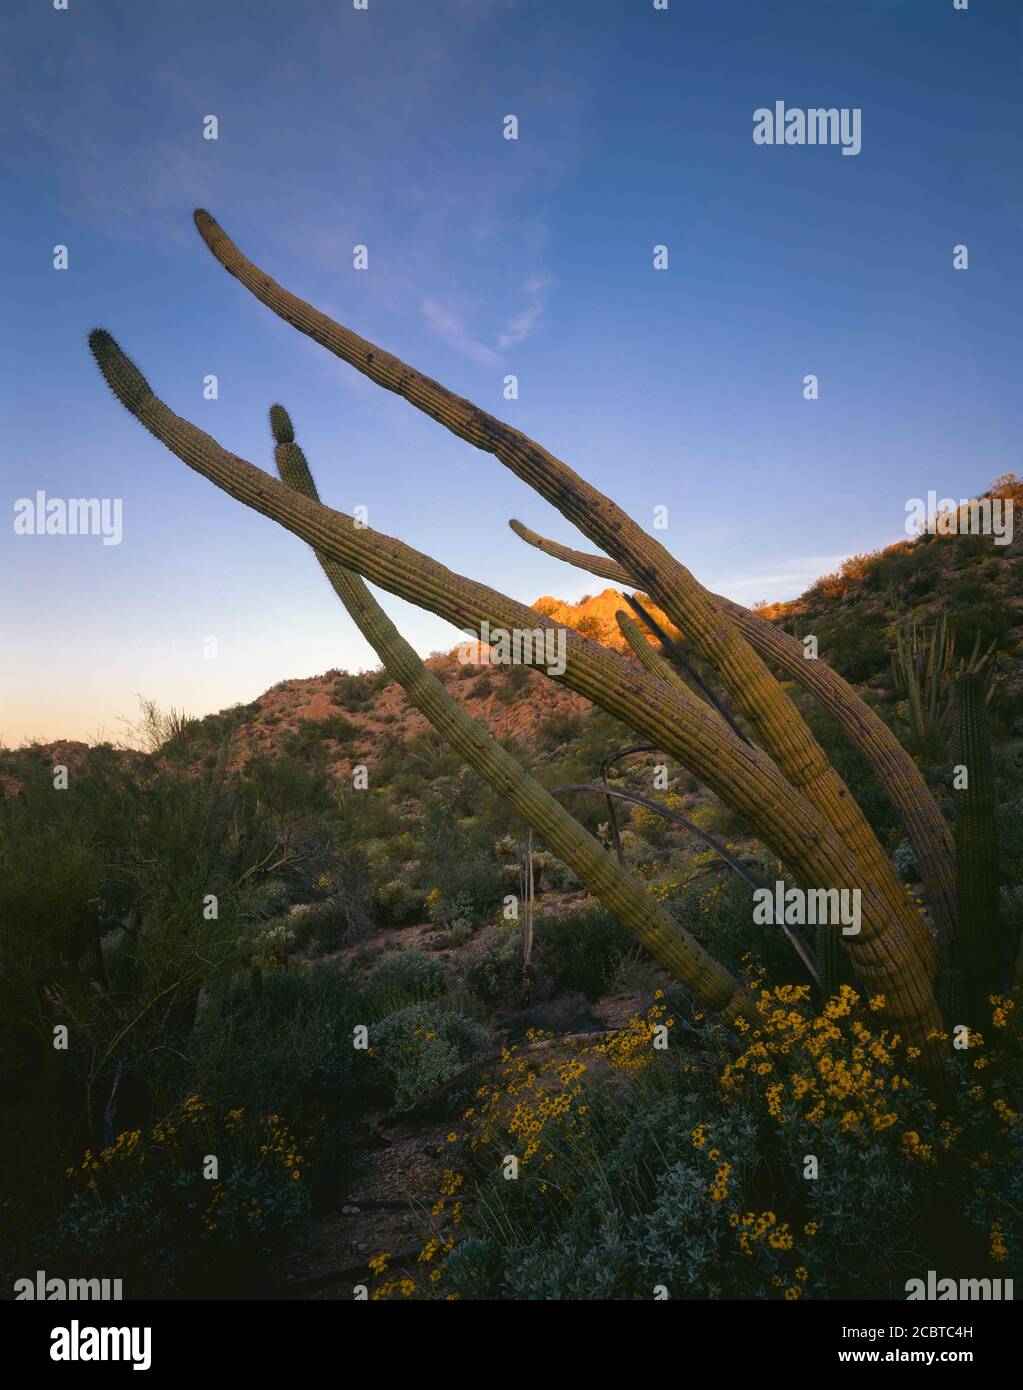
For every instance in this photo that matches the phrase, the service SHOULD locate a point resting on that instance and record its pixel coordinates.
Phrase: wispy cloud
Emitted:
(537, 288)
(449, 326)
(775, 584)
(453, 329)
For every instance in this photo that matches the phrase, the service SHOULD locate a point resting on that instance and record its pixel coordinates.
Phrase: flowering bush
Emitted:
(145, 1209)
(794, 1157)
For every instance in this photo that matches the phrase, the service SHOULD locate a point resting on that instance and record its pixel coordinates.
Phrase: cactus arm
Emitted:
(692, 608)
(745, 778)
(663, 937)
(677, 661)
(902, 780)
(654, 662)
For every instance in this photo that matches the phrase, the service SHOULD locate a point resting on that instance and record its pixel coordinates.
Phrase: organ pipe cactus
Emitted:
(926, 827)
(663, 937)
(978, 948)
(784, 790)
(696, 612)
(922, 675)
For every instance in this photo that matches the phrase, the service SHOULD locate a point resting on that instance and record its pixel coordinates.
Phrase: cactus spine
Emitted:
(978, 954)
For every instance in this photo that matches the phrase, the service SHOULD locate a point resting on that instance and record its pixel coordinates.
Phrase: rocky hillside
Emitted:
(352, 719)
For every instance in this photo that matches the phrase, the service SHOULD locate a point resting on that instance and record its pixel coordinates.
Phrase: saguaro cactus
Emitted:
(978, 946)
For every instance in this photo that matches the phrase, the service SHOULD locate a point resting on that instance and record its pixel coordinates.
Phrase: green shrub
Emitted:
(144, 1211)
(422, 1046)
(408, 972)
(494, 974)
(580, 950)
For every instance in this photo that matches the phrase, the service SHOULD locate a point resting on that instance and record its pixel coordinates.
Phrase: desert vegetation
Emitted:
(466, 1014)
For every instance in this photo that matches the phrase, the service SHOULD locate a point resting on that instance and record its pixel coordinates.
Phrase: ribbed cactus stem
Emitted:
(926, 827)
(663, 937)
(745, 778)
(697, 614)
(951, 997)
(652, 659)
(978, 951)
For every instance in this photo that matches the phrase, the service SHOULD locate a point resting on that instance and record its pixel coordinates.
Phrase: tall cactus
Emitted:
(978, 946)
(895, 769)
(795, 805)
(666, 940)
(698, 615)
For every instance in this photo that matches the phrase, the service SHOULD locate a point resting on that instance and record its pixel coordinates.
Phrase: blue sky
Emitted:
(678, 388)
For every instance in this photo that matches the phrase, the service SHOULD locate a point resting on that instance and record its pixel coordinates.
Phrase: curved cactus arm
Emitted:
(902, 780)
(745, 778)
(652, 659)
(612, 814)
(663, 937)
(695, 611)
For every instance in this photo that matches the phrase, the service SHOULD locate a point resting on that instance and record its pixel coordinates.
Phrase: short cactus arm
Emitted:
(926, 827)
(662, 936)
(654, 662)
(696, 612)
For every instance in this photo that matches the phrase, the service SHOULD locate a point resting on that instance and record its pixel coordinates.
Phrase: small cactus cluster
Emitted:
(923, 670)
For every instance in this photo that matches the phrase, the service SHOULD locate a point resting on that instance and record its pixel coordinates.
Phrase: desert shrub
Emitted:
(307, 741)
(716, 906)
(557, 729)
(854, 644)
(141, 1209)
(494, 974)
(483, 687)
(396, 901)
(463, 875)
(561, 878)
(340, 919)
(904, 861)
(579, 950)
(357, 692)
(455, 911)
(515, 684)
(422, 1046)
(99, 930)
(687, 1178)
(409, 972)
